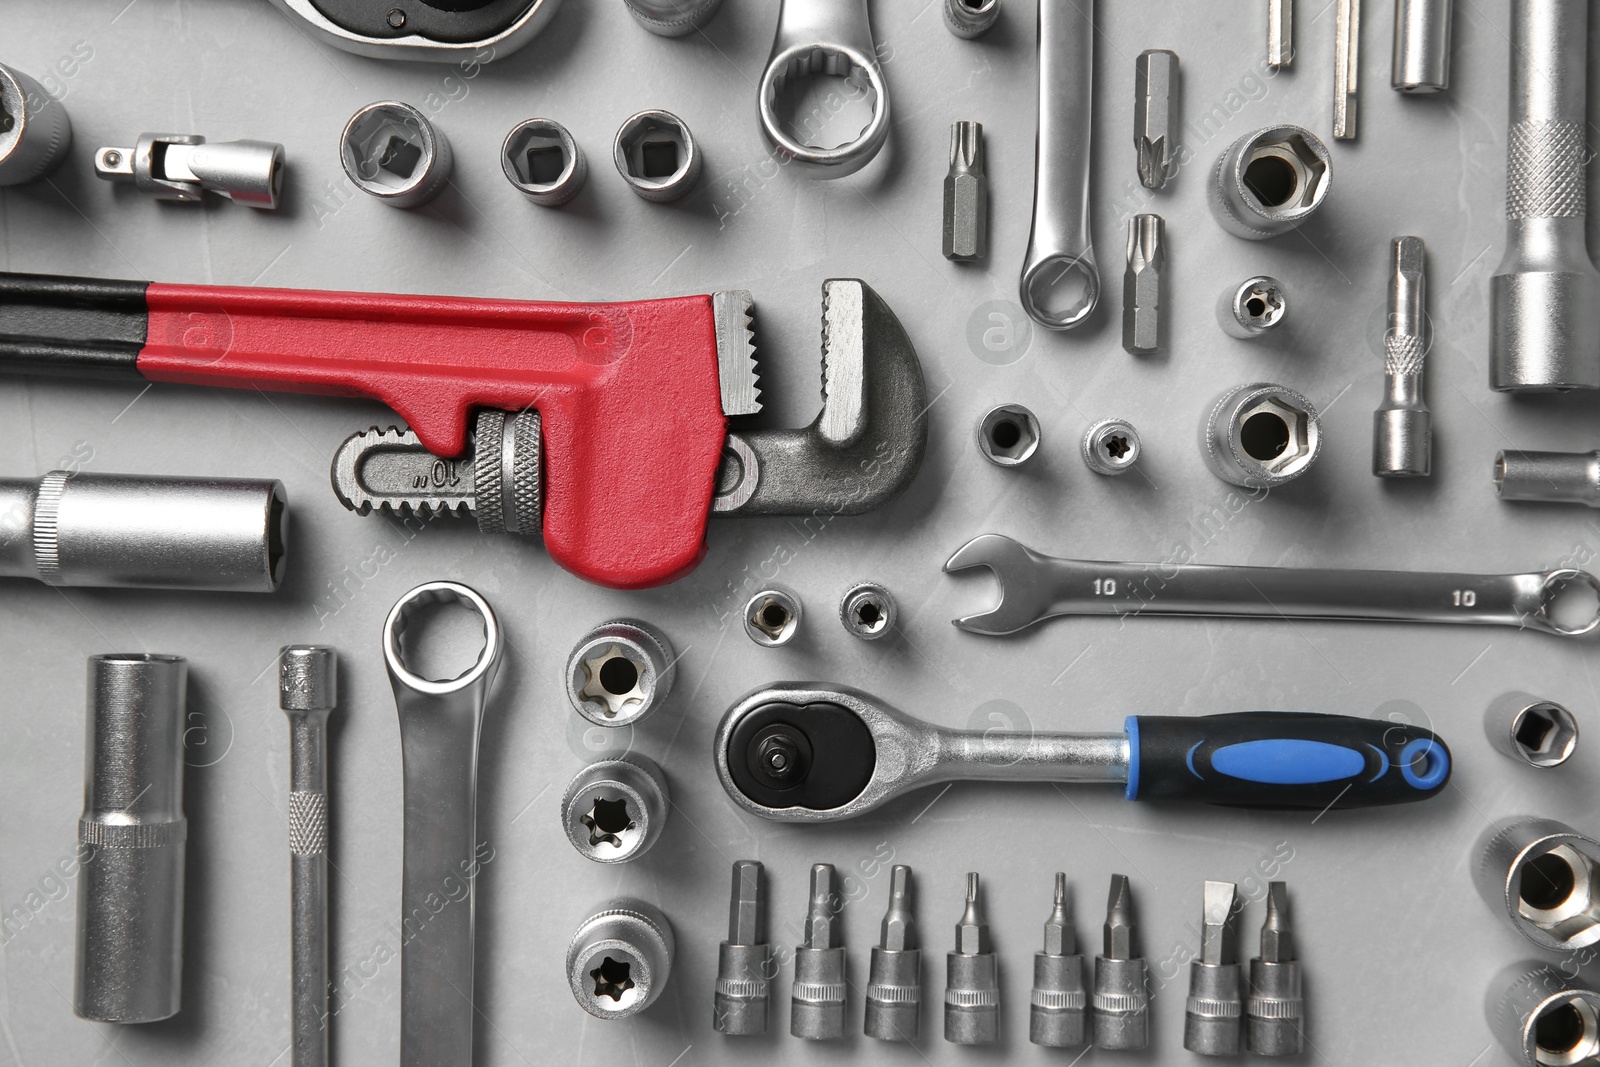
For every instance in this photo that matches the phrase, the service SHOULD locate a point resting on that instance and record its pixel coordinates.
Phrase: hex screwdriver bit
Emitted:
(1121, 982)
(1056, 1014)
(744, 961)
(894, 980)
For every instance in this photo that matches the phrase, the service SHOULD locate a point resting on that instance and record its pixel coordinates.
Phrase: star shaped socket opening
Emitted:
(607, 821)
(613, 978)
(613, 680)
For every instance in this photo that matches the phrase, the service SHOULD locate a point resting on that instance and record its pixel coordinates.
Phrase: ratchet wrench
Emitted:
(1060, 281)
(439, 726)
(831, 37)
(815, 752)
(1034, 587)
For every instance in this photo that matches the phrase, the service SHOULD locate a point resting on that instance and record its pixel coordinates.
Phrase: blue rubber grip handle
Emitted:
(1283, 759)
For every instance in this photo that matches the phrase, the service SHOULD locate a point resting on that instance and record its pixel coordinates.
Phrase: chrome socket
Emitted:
(1111, 447)
(971, 18)
(391, 151)
(35, 131)
(1421, 46)
(620, 672)
(184, 167)
(868, 611)
(613, 810)
(1543, 1017)
(657, 156)
(619, 959)
(1008, 435)
(1262, 436)
(1254, 307)
(1542, 875)
(672, 18)
(772, 616)
(1270, 181)
(1539, 733)
(1548, 477)
(543, 163)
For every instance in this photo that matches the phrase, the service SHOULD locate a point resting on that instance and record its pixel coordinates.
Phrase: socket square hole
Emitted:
(655, 152)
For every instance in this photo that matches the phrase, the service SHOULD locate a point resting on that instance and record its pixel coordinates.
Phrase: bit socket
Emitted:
(1121, 999)
(184, 167)
(1275, 1009)
(744, 961)
(619, 959)
(816, 998)
(894, 981)
(35, 132)
(1545, 1016)
(972, 980)
(1402, 427)
(1421, 46)
(1056, 1010)
(1142, 328)
(966, 196)
(1214, 1008)
(1155, 116)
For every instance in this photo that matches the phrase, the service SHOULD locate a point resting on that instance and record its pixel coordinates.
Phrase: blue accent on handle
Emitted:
(1382, 755)
(1131, 724)
(1189, 759)
(1288, 761)
(1436, 763)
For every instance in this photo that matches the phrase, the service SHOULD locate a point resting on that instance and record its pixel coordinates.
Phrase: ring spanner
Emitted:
(439, 726)
(814, 752)
(831, 37)
(1034, 587)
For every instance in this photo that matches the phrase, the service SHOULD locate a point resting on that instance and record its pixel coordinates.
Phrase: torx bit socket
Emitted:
(1056, 1014)
(816, 999)
(1280, 34)
(1155, 115)
(972, 980)
(894, 981)
(1275, 1007)
(744, 961)
(1421, 46)
(1121, 1000)
(966, 195)
(1213, 1010)
(1402, 428)
(1346, 67)
(1141, 285)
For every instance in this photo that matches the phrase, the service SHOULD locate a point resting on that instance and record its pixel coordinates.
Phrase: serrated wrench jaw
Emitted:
(738, 372)
(1024, 596)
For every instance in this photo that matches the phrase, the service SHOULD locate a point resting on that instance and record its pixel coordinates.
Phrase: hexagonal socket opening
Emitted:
(388, 148)
(539, 154)
(1008, 435)
(1555, 893)
(654, 149)
(1283, 174)
(1275, 435)
(1545, 734)
(1566, 1031)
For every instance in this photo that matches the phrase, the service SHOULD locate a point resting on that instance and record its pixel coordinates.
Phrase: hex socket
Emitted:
(132, 841)
(35, 139)
(1541, 874)
(391, 151)
(1535, 732)
(1544, 1017)
(893, 1010)
(1261, 435)
(1058, 1009)
(1270, 181)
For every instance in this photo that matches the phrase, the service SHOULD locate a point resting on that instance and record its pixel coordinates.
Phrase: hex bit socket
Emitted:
(1121, 1001)
(972, 979)
(744, 960)
(1275, 1009)
(894, 980)
(1214, 1008)
(966, 196)
(816, 999)
(1056, 1009)
(1402, 427)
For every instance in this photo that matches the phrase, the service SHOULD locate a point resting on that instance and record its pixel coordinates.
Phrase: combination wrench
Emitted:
(829, 37)
(440, 722)
(815, 752)
(1034, 587)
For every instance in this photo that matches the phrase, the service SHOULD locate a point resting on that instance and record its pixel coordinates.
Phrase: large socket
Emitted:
(35, 132)
(620, 958)
(1270, 181)
(1541, 874)
(614, 809)
(620, 672)
(1261, 435)
(1544, 1017)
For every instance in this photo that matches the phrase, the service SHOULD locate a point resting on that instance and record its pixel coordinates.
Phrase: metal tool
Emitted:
(868, 611)
(832, 37)
(817, 752)
(620, 672)
(1535, 732)
(966, 194)
(1545, 877)
(1280, 34)
(1143, 328)
(772, 616)
(673, 18)
(1034, 587)
(1057, 1009)
(1544, 298)
(440, 722)
(1275, 1007)
(135, 531)
(308, 691)
(1548, 477)
(619, 960)
(390, 151)
(1270, 182)
(599, 378)
(543, 162)
(1214, 1009)
(657, 156)
(894, 979)
(744, 961)
(816, 998)
(1346, 67)
(613, 810)
(1060, 281)
(1402, 427)
(971, 18)
(972, 980)
(442, 31)
(1253, 308)
(1545, 1015)
(1261, 435)
(1008, 435)
(1120, 1007)
(132, 841)
(184, 167)
(35, 131)
(1155, 116)
(1111, 447)
(1422, 46)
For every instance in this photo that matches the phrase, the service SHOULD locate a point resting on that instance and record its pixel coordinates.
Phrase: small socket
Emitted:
(619, 959)
(1111, 447)
(657, 156)
(1270, 181)
(1544, 1017)
(1539, 733)
(392, 152)
(620, 672)
(35, 132)
(1008, 435)
(614, 809)
(543, 163)
(772, 616)
(1262, 436)
(1252, 307)
(672, 18)
(868, 611)
(1542, 875)
(971, 18)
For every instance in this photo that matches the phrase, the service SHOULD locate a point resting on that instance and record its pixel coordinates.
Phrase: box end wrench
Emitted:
(832, 37)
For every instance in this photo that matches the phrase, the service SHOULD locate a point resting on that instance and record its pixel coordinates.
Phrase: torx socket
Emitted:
(972, 979)
(966, 196)
(1142, 329)
(894, 980)
(185, 166)
(1270, 181)
(620, 672)
(613, 810)
(1544, 1015)
(1155, 116)
(1421, 46)
(1275, 1009)
(131, 531)
(1253, 308)
(1541, 874)
(1534, 732)
(744, 960)
(1214, 1008)
(970, 18)
(1548, 477)
(132, 839)
(619, 959)
(35, 131)
(816, 998)
(1121, 1002)
(1402, 426)
(1056, 1008)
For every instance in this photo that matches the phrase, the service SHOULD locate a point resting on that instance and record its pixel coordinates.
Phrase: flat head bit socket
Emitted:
(1121, 1000)
(1275, 1008)
(1214, 1009)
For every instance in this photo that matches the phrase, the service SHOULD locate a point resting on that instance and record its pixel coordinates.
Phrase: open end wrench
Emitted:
(1034, 587)
(830, 37)
(439, 726)
(1060, 281)
(816, 752)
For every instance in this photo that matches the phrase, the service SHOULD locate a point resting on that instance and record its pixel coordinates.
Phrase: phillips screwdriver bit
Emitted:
(1402, 428)
(1121, 983)
(1211, 1016)
(1141, 284)
(894, 982)
(966, 195)
(744, 961)
(1056, 1011)
(1155, 115)
(816, 999)
(1275, 1007)
(972, 981)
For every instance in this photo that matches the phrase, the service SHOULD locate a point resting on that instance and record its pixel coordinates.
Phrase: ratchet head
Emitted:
(1024, 599)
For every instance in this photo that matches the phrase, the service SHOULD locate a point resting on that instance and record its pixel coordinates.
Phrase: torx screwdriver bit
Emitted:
(1121, 1000)
(894, 981)
(1056, 1012)
(1141, 284)
(744, 961)
(966, 195)
(1155, 115)
(816, 999)
(972, 980)
(1275, 1007)
(1212, 1013)
(1280, 34)
(1402, 428)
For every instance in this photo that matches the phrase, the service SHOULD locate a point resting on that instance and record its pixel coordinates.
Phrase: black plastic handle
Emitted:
(1283, 759)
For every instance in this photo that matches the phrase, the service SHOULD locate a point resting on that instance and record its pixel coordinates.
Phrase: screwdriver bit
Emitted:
(966, 195)
(1056, 1012)
(1346, 67)
(744, 961)
(1211, 1016)
(972, 981)
(1121, 983)
(1275, 1007)
(1402, 428)
(816, 999)
(1141, 284)
(1155, 115)
(894, 981)
(1280, 34)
